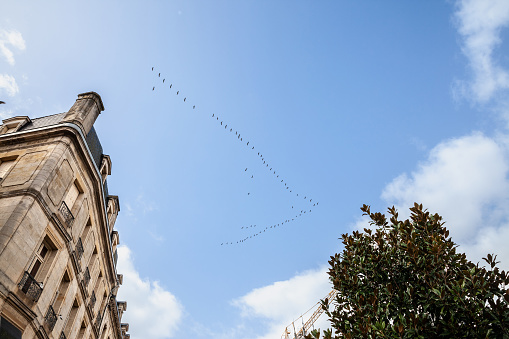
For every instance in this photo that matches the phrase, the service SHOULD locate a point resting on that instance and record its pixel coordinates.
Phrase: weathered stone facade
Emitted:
(58, 274)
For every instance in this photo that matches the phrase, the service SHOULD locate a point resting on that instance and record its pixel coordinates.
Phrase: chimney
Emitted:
(85, 110)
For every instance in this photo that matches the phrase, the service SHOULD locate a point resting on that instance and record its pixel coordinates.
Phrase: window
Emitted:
(39, 259)
(60, 294)
(5, 166)
(31, 283)
(105, 167)
(72, 195)
(83, 328)
(70, 199)
(86, 230)
(70, 319)
(87, 243)
(8, 330)
(42, 259)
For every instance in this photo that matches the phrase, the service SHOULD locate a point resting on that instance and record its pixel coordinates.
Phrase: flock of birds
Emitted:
(265, 164)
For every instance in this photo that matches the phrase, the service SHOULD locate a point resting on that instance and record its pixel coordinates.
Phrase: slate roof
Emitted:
(44, 121)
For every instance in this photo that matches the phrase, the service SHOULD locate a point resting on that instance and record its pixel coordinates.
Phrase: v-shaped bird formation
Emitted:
(265, 164)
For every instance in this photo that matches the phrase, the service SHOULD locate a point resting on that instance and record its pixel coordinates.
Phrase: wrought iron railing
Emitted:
(30, 286)
(86, 277)
(66, 213)
(51, 318)
(92, 301)
(79, 248)
(62, 335)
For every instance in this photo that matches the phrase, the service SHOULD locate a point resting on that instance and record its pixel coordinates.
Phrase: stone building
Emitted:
(58, 255)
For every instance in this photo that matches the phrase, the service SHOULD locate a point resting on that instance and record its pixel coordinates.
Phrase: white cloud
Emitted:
(12, 38)
(284, 301)
(466, 181)
(152, 312)
(479, 23)
(8, 85)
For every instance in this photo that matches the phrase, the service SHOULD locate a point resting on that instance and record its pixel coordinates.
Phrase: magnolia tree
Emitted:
(405, 279)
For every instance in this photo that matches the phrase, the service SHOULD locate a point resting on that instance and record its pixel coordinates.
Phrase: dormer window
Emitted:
(105, 167)
(14, 124)
(112, 210)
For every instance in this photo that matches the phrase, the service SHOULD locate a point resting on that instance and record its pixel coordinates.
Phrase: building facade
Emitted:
(58, 255)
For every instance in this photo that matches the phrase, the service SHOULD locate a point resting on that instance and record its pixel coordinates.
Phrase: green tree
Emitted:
(405, 279)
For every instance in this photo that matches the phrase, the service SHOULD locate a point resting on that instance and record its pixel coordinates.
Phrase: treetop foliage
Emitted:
(405, 279)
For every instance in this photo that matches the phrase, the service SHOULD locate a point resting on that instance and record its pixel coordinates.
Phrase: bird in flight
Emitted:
(171, 85)
(212, 114)
(153, 88)
(152, 68)
(2, 102)
(163, 80)
(194, 106)
(159, 74)
(185, 99)
(177, 92)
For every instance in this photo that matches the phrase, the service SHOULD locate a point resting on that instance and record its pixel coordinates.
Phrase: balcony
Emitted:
(66, 213)
(51, 318)
(30, 287)
(79, 248)
(86, 277)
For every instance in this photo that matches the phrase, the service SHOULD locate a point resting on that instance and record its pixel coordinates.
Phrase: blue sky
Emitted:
(349, 102)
